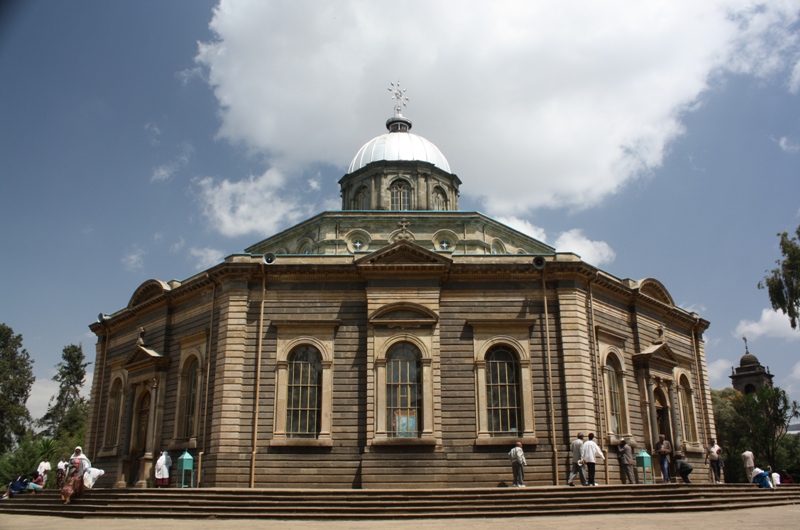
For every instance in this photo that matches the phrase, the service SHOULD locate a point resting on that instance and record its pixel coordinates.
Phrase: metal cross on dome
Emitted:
(399, 95)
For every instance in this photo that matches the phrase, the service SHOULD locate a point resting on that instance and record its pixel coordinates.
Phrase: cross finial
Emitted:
(403, 225)
(745, 345)
(398, 94)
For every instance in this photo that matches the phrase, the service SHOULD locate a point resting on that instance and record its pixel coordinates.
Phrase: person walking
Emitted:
(625, 455)
(61, 473)
(78, 464)
(591, 452)
(664, 450)
(749, 462)
(576, 449)
(713, 455)
(518, 463)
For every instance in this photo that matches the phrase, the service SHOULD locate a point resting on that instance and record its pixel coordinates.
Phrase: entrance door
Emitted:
(662, 415)
(142, 421)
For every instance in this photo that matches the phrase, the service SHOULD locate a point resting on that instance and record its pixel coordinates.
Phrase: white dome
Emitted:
(399, 146)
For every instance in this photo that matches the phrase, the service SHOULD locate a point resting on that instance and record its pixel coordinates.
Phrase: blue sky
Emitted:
(147, 139)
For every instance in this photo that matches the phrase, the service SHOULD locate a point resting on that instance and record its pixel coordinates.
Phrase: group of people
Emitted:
(585, 456)
(71, 477)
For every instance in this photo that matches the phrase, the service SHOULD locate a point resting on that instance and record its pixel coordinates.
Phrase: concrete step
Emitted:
(376, 504)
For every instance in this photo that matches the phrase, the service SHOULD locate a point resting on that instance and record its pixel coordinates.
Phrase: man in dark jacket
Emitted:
(684, 468)
(18, 485)
(625, 455)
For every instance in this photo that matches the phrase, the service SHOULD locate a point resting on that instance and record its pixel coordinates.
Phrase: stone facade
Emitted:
(378, 348)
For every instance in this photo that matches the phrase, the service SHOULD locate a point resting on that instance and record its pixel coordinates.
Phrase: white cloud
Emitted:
(534, 104)
(594, 252)
(166, 171)
(206, 257)
(314, 184)
(789, 145)
(526, 227)
(185, 76)
(694, 308)
(719, 370)
(134, 259)
(772, 324)
(155, 132)
(41, 392)
(248, 206)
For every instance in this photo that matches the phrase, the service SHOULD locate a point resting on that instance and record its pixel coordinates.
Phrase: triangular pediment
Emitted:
(143, 357)
(659, 353)
(404, 253)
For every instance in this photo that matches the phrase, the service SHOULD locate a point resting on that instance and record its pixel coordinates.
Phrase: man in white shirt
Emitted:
(712, 455)
(749, 463)
(591, 452)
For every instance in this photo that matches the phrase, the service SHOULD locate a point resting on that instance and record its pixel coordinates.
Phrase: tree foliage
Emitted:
(16, 380)
(757, 422)
(765, 420)
(783, 282)
(65, 407)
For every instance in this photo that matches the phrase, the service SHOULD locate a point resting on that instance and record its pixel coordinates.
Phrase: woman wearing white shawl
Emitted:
(162, 470)
(78, 464)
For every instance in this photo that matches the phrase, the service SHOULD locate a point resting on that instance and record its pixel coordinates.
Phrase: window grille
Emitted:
(304, 393)
(502, 392)
(403, 391)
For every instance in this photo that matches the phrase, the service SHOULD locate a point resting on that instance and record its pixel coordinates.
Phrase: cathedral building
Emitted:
(397, 343)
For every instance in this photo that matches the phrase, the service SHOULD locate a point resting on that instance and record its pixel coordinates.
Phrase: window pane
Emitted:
(502, 391)
(403, 389)
(304, 392)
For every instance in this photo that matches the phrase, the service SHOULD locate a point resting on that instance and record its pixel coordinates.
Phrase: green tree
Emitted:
(730, 433)
(64, 408)
(765, 418)
(16, 380)
(783, 282)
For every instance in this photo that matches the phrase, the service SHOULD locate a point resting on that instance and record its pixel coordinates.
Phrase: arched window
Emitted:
(498, 247)
(360, 199)
(614, 386)
(112, 421)
(403, 390)
(502, 392)
(304, 393)
(687, 410)
(189, 398)
(439, 200)
(401, 195)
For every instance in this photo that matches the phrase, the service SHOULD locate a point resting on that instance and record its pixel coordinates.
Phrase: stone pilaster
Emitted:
(577, 359)
(229, 439)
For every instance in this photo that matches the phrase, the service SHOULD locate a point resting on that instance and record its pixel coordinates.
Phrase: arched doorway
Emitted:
(141, 432)
(662, 414)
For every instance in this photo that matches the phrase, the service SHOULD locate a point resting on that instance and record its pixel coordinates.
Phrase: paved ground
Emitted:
(775, 517)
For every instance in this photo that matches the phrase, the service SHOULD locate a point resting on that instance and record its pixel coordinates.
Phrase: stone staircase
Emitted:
(400, 504)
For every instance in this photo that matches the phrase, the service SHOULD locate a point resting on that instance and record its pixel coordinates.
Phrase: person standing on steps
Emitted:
(625, 455)
(713, 455)
(518, 463)
(749, 463)
(664, 450)
(577, 461)
(591, 452)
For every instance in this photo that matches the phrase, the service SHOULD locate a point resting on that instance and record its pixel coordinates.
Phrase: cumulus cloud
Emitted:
(594, 252)
(524, 226)
(719, 370)
(206, 257)
(534, 104)
(772, 324)
(134, 259)
(252, 205)
(165, 172)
